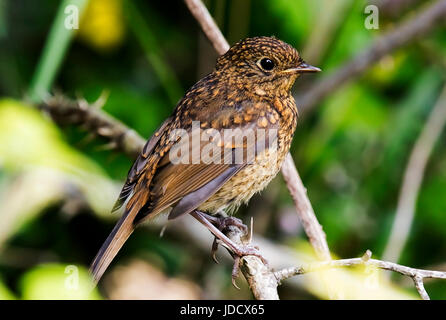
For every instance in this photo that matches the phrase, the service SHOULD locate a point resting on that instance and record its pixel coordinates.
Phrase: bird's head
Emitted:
(267, 63)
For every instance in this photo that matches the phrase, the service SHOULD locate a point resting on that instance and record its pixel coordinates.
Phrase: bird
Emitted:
(247, 94)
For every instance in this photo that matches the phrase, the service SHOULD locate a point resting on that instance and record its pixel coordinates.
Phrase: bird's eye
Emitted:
(267, 64)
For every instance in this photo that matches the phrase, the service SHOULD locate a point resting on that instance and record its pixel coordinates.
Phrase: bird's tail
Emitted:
(114, 242)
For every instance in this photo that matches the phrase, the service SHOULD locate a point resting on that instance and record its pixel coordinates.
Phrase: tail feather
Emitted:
(114, 242)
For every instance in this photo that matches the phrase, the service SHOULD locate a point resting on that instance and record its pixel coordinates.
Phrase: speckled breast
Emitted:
(257, 175)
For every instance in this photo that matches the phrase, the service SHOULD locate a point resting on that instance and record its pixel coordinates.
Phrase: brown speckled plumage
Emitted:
(240, 93)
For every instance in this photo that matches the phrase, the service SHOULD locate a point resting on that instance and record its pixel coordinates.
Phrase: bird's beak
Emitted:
(303, 68)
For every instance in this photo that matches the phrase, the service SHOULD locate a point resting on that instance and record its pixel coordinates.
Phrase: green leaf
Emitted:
(58, 282)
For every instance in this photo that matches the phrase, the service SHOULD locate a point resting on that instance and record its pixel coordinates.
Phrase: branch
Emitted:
(407, 31)
(90, 117)
(413, 177)
(260, 277)
(417, 275)
(394, 8)
(208, 25)
(304, 209)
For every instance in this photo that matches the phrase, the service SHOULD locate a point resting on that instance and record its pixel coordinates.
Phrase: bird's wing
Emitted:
(139, 165)
(184, 186)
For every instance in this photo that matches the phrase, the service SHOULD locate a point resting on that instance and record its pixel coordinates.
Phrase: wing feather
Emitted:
(138, 166)
(186, 186)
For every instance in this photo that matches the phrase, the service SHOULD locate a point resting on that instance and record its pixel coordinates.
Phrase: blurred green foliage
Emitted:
(49, 281)
(351, 152)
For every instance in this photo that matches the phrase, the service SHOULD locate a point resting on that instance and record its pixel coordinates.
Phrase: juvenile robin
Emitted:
(248, 95)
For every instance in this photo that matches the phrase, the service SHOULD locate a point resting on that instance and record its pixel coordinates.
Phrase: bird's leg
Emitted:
(216, 221)
(214, 250)
(236, 249)
(222, 222)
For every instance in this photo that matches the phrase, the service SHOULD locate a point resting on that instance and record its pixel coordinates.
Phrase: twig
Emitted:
(304, 209)
(417, 275)
(420, 288)
(394, 8)
(413, 177)
(208, 25)
(407, 31)
(64, 111)
(260, 278)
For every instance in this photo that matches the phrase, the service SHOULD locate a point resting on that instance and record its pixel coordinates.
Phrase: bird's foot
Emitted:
(238, 249)
(223, 223)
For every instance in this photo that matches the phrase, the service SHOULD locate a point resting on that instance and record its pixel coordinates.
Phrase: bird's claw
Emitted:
(235, 272)
(223, 223)
(238, 254)
(214, 250)
(249, 250)
(238, 251)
